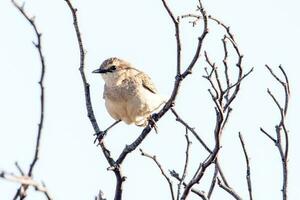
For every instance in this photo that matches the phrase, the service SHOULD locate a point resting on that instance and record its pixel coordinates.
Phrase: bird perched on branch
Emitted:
(130, 95)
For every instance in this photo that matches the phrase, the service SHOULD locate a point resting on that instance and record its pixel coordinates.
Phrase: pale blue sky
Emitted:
(267, 32)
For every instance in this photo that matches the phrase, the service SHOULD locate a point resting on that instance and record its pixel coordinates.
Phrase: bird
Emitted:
(130, 95)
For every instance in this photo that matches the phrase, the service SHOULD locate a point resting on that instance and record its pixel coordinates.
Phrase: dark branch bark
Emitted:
(186, 162)
(177, 35)
(38, 45)
(201, 194)
(228, 190)
(116, 168)
(161, 170)
(248, 172)
(180, 120)
(280, 128)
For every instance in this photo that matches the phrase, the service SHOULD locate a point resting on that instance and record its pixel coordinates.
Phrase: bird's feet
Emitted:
(152, 121)
(99, 136)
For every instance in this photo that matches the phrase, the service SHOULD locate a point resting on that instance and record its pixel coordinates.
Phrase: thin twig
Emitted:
(268, 135)
(238, 81)
(26, 181)
(202, 169)
(201, 194)
(179, 119)
(213, 182)
(103, 133)
(226, 67)
(100, 196)
(285, 85)
(38, 45)
(280, 128)
(161, 170)
(20, 169)
(248, 172)
(186, 162)
(236, 86)
(209, 78)
(215, 72)
(221, 173)
(274, 75)
(200, 42)
(179, 77)
(223, 110)
(196, 18)
(228, 189)
(177, 35)
(227, 28)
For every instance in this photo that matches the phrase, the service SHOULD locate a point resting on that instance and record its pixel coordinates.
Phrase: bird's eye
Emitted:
(113, 67)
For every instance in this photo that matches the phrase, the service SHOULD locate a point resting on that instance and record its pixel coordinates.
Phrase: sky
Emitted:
(141, 32)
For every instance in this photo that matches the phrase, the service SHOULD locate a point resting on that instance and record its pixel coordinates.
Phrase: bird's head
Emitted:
(111, 68)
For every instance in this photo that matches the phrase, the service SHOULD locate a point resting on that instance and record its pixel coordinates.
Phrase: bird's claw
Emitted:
(99, 136)
(154, 116)
(152, 120)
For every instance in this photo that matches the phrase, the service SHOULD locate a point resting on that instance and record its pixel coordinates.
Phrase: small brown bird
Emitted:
(129, 94)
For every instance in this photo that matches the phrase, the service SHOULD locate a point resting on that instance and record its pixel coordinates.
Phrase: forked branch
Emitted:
(280, 129)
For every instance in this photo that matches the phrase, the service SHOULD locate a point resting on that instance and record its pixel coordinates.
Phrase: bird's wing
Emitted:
(147, 82)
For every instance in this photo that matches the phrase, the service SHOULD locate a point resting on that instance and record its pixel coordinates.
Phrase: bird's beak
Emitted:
(101, 71)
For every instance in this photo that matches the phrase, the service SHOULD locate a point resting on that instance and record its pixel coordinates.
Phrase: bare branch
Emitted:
(161, 170)
(276, 102)
(287, 84)
(100, 196)
(200, 42)
(116, 169)
(229, 190)
(248, 176)
(115, 165)
(226, 66)
(223, 110)
(179, 77)
(179, 119)
(241, 76)
(238, 81)
(202, 169)
(229, 110)
(38, 46)
(20, 169)
(275, 76)
(195, 17)
(268, 135)
(209, 78)
(188, 143)
(169, 12)
(99, 136)
(134, 144)
(224, 180)
(280, 128)
(227, 28)
(26, 181)
(201, 194)
(218, 89)
(213, 182)
(177, 35)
